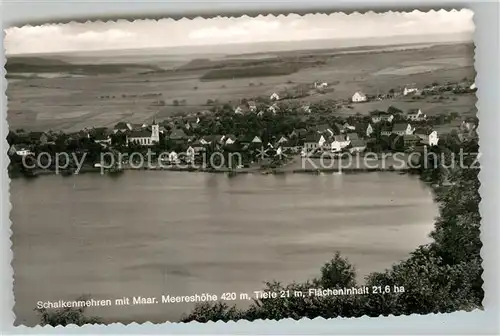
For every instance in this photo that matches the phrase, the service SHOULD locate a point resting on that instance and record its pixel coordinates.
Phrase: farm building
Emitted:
(428, 136)
(415, 114)
(408, 90)
(402, 129)
(358, 97)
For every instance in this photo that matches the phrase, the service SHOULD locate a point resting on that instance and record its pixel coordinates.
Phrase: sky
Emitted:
(94, 36)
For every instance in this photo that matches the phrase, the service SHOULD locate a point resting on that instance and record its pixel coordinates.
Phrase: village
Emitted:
(280, 125)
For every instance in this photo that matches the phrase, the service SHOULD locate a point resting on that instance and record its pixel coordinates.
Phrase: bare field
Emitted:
(102, 100)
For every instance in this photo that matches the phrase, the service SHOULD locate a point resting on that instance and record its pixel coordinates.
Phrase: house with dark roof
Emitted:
(197, 146)
(144, 136)
(402, 128)
(415, 115)
(213, 139)
(298, 133)
(352, 136)
(141, 137)
(294, 145)
(246, 140)
(337, 128)
(177, 134)
(357, 146)
(410, 140)
(365, 128)
(314, 141)
(427, 135)
(230, 139)
(379, 116)
(121, 127)
(102, 138)
(134, 127)
(325, 130)
(386, 130)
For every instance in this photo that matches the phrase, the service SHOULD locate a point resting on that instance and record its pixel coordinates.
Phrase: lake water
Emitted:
(151, 233)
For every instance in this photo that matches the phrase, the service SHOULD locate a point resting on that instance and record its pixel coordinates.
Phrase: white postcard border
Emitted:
(487, 66)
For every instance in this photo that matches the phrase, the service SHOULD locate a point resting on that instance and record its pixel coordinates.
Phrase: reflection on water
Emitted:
(151, 233)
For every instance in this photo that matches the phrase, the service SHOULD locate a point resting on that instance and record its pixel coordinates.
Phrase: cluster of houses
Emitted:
(334, 138)
(359, 97)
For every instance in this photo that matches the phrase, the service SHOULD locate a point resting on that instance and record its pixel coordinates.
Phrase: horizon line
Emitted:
(271, 42)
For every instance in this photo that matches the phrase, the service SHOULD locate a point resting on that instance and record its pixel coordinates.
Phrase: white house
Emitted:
(358, 97)
(190, 153)
(256, 140)
(275, 96)
(339, 142)
(230, 139)
(145, 137)
(272, 109)
(473, 86)
(320, 85)
(415, 114)
(279, 151)
(23, 152)
(238, 110)
(306, 108)
(428, 136)
(173, 157)
(408, 90)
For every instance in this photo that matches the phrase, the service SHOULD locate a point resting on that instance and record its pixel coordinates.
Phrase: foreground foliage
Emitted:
(66, 316)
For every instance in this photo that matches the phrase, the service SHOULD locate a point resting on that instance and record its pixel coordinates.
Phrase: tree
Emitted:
(66, 316)
(394, 110)
(338, 272)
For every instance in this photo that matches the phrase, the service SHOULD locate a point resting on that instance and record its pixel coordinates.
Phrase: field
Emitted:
(63, 97)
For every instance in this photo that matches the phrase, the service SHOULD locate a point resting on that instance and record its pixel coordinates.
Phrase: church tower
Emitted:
(155, 132)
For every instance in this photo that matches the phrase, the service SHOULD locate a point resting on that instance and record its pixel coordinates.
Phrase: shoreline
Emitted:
(256, 171)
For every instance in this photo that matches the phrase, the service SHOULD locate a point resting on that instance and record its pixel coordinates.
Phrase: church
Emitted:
(145, 136)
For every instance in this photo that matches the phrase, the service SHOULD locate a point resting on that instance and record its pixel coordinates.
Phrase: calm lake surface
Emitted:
(151, 233)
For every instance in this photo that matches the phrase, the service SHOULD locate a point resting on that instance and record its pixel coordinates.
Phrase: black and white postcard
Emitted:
(244, 168)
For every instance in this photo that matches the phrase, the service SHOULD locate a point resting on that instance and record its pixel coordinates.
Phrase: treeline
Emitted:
(50, 65)
(253, 71)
